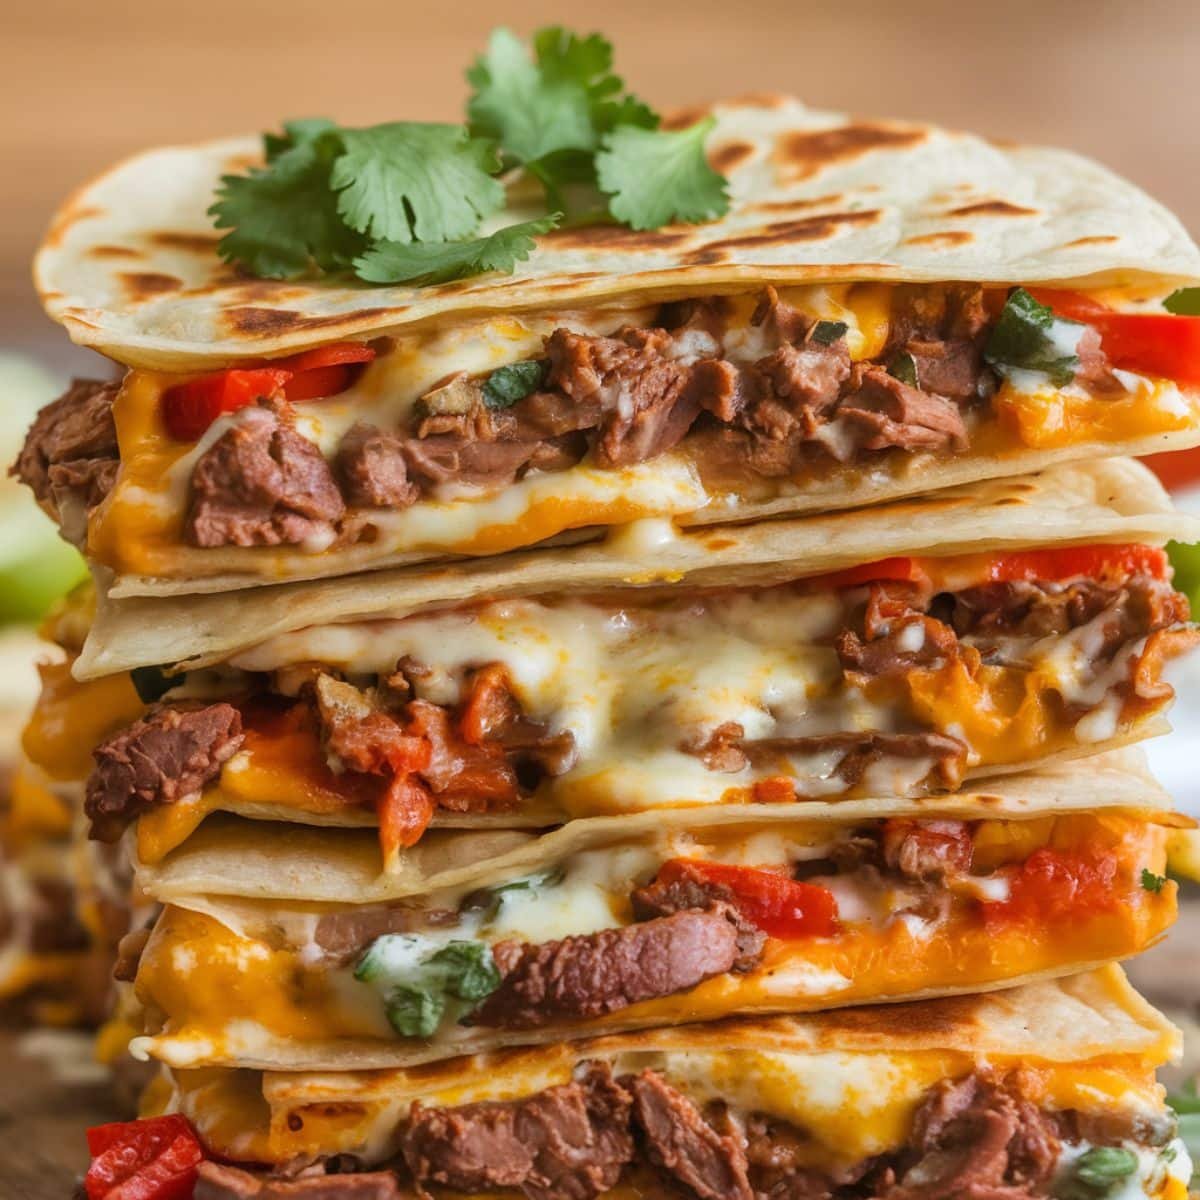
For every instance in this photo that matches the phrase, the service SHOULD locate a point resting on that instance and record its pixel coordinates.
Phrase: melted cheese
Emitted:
(227, 996)
(636, 685)
(71, 718)
(138, 530)
(849, 1105)
(1045, 417)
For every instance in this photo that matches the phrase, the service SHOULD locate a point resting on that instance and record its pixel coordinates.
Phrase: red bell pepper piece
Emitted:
(780, 906)
(1055, 885)
(154, 1159)
(1149, 343)
(1065, 562)
(904, 570)
(188, 409)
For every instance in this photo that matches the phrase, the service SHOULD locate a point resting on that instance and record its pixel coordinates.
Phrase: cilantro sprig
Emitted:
(409, 201)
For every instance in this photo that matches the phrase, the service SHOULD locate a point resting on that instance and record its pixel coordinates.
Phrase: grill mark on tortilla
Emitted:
(72, 215)
(800, 155)
(797, 205)
(1099, 239)
(947, 237)
(730, 156)
(257, 321)
(142, 285)
(993, 208)
(615, 237)
(113, 252)
(196, 243)
(817, 228)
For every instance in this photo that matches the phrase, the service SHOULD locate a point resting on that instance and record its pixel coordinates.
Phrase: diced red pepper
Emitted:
(1066, 562)
(1175, 468)
(188, 409)
(905, 570)
(1161, 344)
(779, 905)
(1055, 885)
(154, 1159)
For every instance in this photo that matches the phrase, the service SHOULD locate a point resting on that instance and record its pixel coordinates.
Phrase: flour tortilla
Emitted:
(129, 264)
(1061, 1021)
(1110, 500)
(229, 859)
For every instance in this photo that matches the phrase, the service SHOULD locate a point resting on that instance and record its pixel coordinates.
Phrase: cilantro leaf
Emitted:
(503, 388)
(1152, 882)
(531, 113)
(1028, 336)
(415, 1011)
(283, 218)
(904, 368)
(303, 129)
(424, 263)
(828, 332)
(413, 181)
(653, 177)
(1184, 302)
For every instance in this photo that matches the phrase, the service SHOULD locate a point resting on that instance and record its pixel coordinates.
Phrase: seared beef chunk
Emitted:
(883, 412)
(371, 468)
(215, 1181)
(71, 447)
(692, 893)
(587, 976)
(860, 751)
(566, 1143)
(677, 1139)
(170, 754)
(977, 1138)
(262, 484)
(1029, 609)
(926, 851)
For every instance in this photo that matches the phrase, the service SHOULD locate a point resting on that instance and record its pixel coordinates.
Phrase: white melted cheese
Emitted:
(632, 685)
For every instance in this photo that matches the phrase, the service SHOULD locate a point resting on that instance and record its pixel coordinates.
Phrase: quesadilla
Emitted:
(1007, 625)
(1019, 1093)
(886, 309)
(297, 954)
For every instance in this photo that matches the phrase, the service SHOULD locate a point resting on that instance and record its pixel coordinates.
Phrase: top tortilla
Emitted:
(129, 264)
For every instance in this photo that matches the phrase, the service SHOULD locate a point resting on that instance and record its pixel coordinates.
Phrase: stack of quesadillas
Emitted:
(656, 723)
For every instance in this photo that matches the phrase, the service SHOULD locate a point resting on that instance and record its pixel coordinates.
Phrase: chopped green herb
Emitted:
(283, 218)
(490, 900)
(828, 332)
(506, 385)
(437, 262)
(653, 176)
(1097, 1172)
(412, 181)
(904, 368)
(153, 683)
(1029, 337)
(1184, 302)
(418, 979)
(401, 202)
(1152, 882)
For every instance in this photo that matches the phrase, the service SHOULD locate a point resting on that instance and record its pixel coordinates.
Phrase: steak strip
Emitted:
(590, 975)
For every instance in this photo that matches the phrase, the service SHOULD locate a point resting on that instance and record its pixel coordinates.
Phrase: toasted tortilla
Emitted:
(1109, 500)
(229, 857)
(129, 264)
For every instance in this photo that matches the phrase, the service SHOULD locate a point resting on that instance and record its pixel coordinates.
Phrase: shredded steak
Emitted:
(926, 851)
(579, 978)
(169, 754)
(678, 1140)
(262, 484)
(371, 467)
(883, 412)
(566, 1143)
(71, 447)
